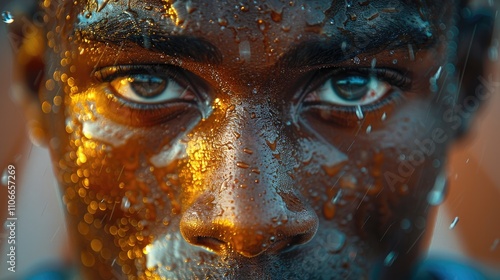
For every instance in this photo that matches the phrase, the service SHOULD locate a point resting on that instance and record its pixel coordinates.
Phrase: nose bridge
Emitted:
(246, 181)
(247, 202)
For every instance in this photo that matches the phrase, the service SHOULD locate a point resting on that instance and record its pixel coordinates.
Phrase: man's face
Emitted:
(255, 139)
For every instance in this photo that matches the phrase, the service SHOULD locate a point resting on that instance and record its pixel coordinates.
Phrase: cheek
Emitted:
(388, 172)
(120, 186)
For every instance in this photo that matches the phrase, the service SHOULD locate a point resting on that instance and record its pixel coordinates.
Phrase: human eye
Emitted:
(346, 96)
(150, 94)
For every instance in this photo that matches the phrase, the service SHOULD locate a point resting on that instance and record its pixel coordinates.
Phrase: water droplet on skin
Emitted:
(7, 17)
(356, 60)
(395, 61)
(190, 7)
(271, 145)
(222, 21)
(369, 129)
(241, 164)
(390, 258)
(332, 170)
(384, 116)
(276, 16)
(335, 241)
(329, 210)
(374, 62)
(454, 223)
(262, 25)
(245, 52)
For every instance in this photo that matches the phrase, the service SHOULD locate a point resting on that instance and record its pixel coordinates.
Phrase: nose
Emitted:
(276, 222)
(248, 204)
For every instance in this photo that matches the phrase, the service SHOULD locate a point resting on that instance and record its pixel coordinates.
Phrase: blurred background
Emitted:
(473, 199)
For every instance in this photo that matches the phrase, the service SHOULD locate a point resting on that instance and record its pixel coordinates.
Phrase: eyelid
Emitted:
(347, 115)
(391, 76)
(167, 71)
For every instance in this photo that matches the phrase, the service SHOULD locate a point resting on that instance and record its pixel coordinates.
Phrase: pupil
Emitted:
(147, 86)
(351, 88)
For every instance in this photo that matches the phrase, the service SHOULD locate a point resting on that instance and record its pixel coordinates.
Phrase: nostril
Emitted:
(211, 243)
(253, 232)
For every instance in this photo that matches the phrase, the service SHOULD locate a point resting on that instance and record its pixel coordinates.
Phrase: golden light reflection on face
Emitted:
(250, 166)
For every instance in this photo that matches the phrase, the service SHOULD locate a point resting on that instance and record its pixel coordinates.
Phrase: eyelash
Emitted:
(347, 115)
(134, 113)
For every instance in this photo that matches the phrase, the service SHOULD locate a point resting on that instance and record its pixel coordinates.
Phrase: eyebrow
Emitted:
(335, 49)
(123, 28)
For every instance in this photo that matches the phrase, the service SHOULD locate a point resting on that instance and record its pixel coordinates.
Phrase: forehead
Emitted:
(267, 28)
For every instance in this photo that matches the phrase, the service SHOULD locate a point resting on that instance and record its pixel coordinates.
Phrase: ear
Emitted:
(28, 46)
(473, 60)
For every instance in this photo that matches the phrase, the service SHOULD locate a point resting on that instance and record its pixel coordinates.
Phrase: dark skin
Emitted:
(264, 140)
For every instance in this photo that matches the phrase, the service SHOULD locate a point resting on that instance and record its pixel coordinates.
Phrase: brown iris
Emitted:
(350, 88)
(147, 86)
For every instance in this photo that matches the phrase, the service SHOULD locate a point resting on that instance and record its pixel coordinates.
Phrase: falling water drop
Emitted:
(337, 197)
(359, 112)
(437, 194)
(495, 244)
(405, 224)
(454, 223)
(7, 17)
(493, 53)
(125, 204)
(344, 46)
(369, 129)
(438, 74)
(5, 177)
(390, 258)
(411, 52)
(433, 80)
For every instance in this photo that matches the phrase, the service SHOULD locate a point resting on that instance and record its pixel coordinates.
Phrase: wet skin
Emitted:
(225, 140)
